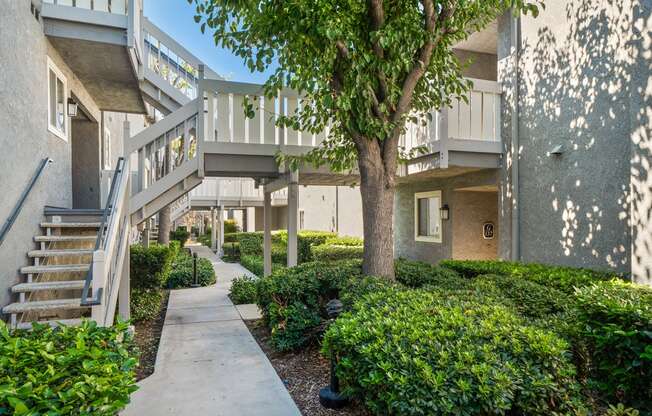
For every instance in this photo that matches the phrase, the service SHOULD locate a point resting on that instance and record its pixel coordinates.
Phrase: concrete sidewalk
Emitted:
(208, 363)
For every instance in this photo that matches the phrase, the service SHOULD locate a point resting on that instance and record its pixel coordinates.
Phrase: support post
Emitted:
(145, 235)
(124, 298)
(267, 233)
(221, 225)
(293, 214)
(213, 229)
(97, 311)
(201, 120)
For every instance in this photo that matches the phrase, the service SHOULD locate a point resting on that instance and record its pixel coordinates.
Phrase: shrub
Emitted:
(616, 320)
(181, 235)
(561, 278)
(416, 274)
(326, 252)
(149, 267)
(145, 304)
(182, 272)
(251, 244)
(243, 290)
(292, 300)
(415, 352)
(205, 240)
(231, 252)
(344, 241)
(231, 226)
(256, 265)
(307, 239)
(80, 370)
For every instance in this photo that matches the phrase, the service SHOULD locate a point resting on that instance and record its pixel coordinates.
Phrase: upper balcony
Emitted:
(232, 192)
(459, 139)
(100, 40)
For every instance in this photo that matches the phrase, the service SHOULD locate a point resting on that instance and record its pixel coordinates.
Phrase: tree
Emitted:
(365, 68)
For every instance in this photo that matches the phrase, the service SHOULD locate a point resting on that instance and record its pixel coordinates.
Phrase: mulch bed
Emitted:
(147, 338)
(304, 373)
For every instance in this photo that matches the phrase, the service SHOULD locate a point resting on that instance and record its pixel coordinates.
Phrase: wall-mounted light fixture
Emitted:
(72, 108)
(444, 212)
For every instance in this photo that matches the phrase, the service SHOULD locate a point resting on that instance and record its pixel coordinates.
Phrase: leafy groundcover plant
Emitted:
(82, 370)
(418, 352)
(243, 290)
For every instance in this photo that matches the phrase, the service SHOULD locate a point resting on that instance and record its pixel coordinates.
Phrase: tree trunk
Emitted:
(377, 192)
(164, 226)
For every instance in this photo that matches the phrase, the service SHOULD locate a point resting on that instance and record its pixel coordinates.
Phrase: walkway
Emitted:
(208, 363)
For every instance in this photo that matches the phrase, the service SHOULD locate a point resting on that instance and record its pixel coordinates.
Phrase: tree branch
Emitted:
(377, 20)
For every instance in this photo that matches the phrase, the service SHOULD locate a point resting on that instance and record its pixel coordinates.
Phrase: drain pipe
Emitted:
(516, 232)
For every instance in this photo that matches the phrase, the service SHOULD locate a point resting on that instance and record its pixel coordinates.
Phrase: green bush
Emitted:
(205, 240)
(561, 278)
(80, 370)
(231, 252)
(231, 226)
(307, 239)
(327, 252)
(256, 265)
(149, 267)
(416, 274)
(251, 244)
(292, 300)
(243, 290)
(145, 304)
(182, 272)
(181, 235)
(344, 241)
(616, 320)
(415, 352)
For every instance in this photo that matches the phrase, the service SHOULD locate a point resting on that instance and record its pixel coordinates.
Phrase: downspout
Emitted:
(516, 232)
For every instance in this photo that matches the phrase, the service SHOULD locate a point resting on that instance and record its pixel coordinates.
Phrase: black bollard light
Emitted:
(330, 396)
(194, 270)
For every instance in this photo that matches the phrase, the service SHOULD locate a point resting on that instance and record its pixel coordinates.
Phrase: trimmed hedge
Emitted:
(292, 300)
(181, 235)
(80, 370)
(558, 277)
(181, 274)
(327, 252)
(256, 265)
(616, 321)
(231, 226)
(419, 352)
(145, 304)
(231, 252)
(344, 241)
(243, 290)
(416, 274)
(252, 243)
(150, 266)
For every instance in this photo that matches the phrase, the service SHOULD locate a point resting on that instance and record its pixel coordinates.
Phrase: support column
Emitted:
(221, 225)
(213, 229)
(145, 235)
(293, 214)
(267, 233)
(124, 298)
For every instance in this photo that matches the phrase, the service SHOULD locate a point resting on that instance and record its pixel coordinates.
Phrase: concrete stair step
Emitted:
(66, 322)
(70, 225)
(53, 285)
(55, 268)
(59, 253)
(43, 305)
(60, 238)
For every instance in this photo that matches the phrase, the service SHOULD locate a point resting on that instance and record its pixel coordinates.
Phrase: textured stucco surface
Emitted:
(470, 210)
(25, 139)
(577, 89)
(480, 65)
(404, 242)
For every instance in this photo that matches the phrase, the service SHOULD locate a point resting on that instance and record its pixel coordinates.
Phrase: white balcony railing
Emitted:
(107, 6)
(475, 120)
(233, 189)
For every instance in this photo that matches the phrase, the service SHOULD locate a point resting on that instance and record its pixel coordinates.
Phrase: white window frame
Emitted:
(106, 149)
(423, 238)
(59, 74)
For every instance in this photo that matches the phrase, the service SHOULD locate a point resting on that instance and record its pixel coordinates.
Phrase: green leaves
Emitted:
(84, 370)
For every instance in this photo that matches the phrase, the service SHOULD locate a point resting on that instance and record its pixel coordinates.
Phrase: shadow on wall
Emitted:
(578, 80)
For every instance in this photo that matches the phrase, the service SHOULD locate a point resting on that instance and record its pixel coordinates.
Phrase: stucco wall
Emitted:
(576, 89)
(25, 139)
(404, 243)
(470, 210)
(481, 65)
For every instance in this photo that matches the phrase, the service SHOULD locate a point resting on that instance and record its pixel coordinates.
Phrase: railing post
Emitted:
(267, 233)
(293, 210)
(98, 265)
(201, 120)
(124, 292)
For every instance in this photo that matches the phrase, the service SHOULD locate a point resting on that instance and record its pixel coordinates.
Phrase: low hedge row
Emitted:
(251, 244)
(325, 252)
(344, 241)
(256, 265)
(418, 352)
(80, 370)
(231, 252)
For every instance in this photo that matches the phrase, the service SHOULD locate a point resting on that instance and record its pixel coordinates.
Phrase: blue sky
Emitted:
(175, 17)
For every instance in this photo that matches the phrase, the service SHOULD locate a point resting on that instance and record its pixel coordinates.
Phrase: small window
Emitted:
(57, 98)
(427, 217)
(106, 149)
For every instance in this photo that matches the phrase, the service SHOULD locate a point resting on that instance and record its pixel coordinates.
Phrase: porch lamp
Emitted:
(72, 108)
(444, 212)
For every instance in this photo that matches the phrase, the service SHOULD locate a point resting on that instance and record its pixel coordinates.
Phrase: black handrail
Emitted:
(21, 201)
(100, 241)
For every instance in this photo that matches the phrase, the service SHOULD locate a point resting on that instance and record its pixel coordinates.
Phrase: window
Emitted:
(106, 149)
(427, 219)
(57, 98)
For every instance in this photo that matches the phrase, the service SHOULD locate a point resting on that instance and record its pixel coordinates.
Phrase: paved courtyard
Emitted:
(208, 363)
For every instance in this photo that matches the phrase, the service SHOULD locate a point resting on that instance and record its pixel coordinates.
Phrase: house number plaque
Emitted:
(488, 230)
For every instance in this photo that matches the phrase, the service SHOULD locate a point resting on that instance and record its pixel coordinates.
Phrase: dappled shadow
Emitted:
(584, 87)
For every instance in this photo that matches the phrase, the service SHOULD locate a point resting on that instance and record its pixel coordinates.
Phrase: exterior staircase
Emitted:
(51, 287)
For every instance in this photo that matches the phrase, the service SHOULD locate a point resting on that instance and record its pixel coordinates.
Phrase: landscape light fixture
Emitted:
(72, 108)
